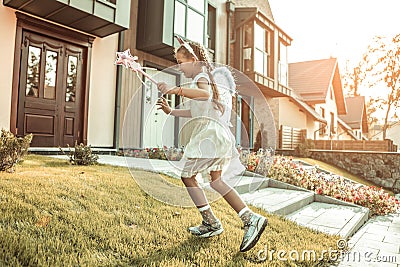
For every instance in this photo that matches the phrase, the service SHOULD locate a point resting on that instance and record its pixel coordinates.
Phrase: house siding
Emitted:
(102, 92)
(290, 115)
(7, 42)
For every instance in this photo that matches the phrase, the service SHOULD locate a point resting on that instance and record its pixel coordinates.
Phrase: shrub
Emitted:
(12, 149)
(303, 149)
(82, 155)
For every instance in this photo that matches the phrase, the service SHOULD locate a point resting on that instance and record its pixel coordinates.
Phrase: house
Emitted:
(356, 116)
(58, 77)
(392, 133)
(260, 51)
(316, 102)
(241, 34)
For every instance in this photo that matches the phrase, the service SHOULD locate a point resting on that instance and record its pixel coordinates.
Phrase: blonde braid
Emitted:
(202, 54)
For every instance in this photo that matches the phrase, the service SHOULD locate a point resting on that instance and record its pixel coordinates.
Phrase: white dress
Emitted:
(211, 145)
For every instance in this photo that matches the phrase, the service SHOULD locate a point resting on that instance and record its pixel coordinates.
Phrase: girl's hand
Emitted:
(166, 89)
(163, 105)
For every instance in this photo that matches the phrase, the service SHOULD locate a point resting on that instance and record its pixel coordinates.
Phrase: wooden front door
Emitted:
(50, 91)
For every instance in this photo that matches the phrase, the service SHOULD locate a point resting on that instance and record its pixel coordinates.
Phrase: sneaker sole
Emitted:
(212, 233)
(209, 234)
(261, 224)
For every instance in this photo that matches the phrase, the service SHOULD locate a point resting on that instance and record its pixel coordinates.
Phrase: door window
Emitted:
(33, 71)
(71, 79)
(50, 75)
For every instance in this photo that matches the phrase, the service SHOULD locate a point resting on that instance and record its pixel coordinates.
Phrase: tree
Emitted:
(353, 78)
(383, 67)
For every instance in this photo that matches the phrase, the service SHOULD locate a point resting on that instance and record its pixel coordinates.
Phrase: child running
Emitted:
(211, 146)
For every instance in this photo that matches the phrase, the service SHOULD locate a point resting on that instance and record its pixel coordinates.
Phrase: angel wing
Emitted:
(227, 88)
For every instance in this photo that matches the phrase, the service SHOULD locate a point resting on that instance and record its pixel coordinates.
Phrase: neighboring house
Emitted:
(317, 99)
(58, 80)
(392, 132)
(356, 117)
(259, 51)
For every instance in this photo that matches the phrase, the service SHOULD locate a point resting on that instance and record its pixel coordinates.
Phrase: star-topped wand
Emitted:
(126, 59)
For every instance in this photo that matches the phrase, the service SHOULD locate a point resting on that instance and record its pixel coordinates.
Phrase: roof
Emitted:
(356, 116)
(301, 104)
(262, 5)
(347, 128)
(312, 79)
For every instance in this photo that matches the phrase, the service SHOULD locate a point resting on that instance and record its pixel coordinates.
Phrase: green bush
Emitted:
(82, 155)
(12, 149)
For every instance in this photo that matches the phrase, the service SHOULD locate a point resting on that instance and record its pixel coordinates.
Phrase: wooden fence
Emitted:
(363, 145)
(290, 138)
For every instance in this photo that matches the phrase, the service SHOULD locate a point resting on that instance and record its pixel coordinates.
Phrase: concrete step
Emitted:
(277, 200)
(336, 219)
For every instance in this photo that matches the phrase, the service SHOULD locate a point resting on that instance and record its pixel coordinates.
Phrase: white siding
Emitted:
(102, 92)
(7, 41)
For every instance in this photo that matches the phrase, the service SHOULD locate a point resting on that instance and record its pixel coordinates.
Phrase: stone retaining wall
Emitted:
(381, 168)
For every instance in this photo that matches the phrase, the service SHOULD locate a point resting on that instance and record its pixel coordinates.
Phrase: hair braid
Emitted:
(202, 54)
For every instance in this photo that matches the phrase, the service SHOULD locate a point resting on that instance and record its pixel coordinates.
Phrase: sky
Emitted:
(334, 28)
(342, 29)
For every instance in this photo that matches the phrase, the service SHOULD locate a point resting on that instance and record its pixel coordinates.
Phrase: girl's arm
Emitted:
(181, 113)
(193, 93)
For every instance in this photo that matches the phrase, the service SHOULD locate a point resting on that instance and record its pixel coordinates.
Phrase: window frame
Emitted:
(205, 20)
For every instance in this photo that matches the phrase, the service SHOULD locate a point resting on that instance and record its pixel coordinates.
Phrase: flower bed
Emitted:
(163, 153)
(285, 169)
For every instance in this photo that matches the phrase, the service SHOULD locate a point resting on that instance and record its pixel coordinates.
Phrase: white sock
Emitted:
(242, 211)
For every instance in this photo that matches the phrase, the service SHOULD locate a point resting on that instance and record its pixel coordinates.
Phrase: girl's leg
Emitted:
(210, 225)
(227, 192)
(254, 224)
(195, 191)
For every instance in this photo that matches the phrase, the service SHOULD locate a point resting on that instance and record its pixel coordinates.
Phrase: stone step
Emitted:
(342, 220)
(277, 200)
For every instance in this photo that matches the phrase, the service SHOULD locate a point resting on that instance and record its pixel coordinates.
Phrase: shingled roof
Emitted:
(356, 116)
(262, 5)
(311, 81)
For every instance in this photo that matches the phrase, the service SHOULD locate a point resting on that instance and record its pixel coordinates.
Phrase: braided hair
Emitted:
(202, 55)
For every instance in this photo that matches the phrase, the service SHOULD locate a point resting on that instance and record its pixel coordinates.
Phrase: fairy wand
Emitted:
(128, 61)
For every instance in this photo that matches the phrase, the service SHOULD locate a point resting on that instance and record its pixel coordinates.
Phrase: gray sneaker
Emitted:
(207, 230)
(252, 231)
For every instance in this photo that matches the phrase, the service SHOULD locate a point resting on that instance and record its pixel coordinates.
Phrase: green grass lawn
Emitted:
(56, 214)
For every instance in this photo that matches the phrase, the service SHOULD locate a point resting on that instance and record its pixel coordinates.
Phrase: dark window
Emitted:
(211, 26)
(333, 131)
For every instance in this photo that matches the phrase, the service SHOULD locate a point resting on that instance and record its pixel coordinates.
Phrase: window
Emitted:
(283, 65)
(260, 50)
(189, 19)
(333, 131)
(33, 71)
(211, 26)
(322, 127)
(247, 47)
